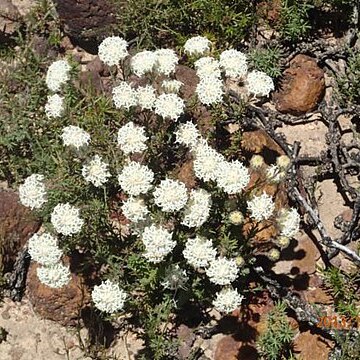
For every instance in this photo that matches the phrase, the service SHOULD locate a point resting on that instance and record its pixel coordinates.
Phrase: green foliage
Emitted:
(166, 22)
(348, 345)
(343, 288)
(349, 84)
(294, 19)
(275, 342)
(267, 60)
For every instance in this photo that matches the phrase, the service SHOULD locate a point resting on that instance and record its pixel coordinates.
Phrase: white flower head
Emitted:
(274, 174)
(171, 86)
(234, 63)
(108, 297)
(166, 61)
(158, 243)
(222, 271)
(131, 138)
(96, 171)
(54, 106)
(124, 96)
(169, 106)
(187, 134)
(257, 161)
(210, 90)
(289, 222)
(232, 176)
(143, 62)
(207, 160)
(175, 278)
(135, 209)
(32, 192)
(197, 210)
(236, 217)
(259, 84)
(66, 220)
(261, 207)
(55, 276)
(75, 136)
(44, 249)
(227, 300)
(199, 252)
(146, 97)
(197, 45)
(136, 179)
(112, 50)
(170, 195)
(57, 74)
(207, 67)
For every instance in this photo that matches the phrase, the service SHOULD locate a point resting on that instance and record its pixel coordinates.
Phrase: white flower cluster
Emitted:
(54, 276)
(112, 50)
(289, 222)
(171, 86)
(199, 252)
(259, 83)
(96, 171)
(108, 297)
(143, 62)
(136, 179)
(227, 300)
(187, 134)
(232, 176)
(44, 249)
(210, 91)
(234, 63)
(175, 278)
(75, 136)
(32, 192)
(197, 210)
(124, 96)
(66, 220)
(261, 207)
(197, 45)
(222, 271)
(135, 209)
(169, 106)
(207, 67)
(146, 97)
(274, 174)
(207, 161)
(170, 195)
(57, 75)
(166, 61)
(54, 106)
(158, 243)
(131, 138)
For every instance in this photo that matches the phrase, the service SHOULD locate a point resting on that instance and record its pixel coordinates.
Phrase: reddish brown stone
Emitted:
(269, 10)
(302, 87)
(185, 173)
(189, 78)
(312, 346)
(62, 305)
(9, 18)
(228, 348)
(187, 338)
(17, 224)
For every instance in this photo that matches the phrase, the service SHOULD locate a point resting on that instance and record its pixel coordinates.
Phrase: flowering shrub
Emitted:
(152, 236)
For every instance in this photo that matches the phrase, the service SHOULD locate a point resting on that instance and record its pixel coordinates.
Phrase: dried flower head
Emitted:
(283, 162)
(175, 278)
(257, 161)
(236, 217)
(274, 174)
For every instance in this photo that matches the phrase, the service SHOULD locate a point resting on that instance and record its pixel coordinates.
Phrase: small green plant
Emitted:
(343, 288)
(348, 346)
(294, 19)
(275, 342)
(267, 60)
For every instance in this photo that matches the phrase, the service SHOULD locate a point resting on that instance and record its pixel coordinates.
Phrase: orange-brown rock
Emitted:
(229, 348)
(62, 305)
(259, 141)
(185, 173)
(269, 10)
(312, 346)
(17, 224)
(302, 87)
(189, 79)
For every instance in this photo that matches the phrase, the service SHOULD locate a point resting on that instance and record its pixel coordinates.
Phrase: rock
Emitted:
(185, 173)
(17, 224)
(189, 78)
(61, 305)
(228, 348)
(86, 20)
(90, 82)
(187, 338)
(25, 6)
(9, 18)
(312, 346)
(302, 87)
(269, 10)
